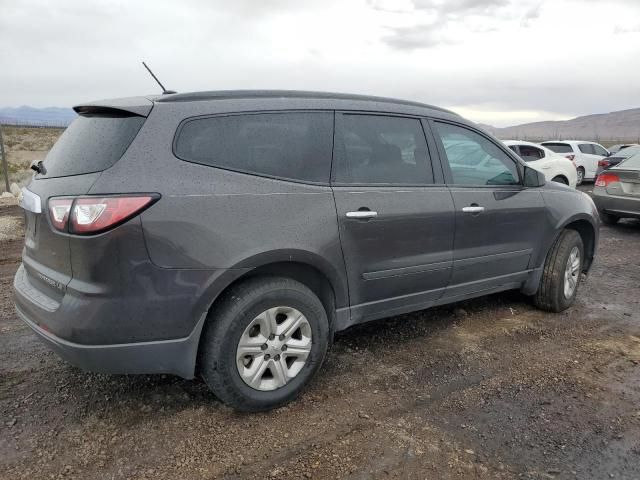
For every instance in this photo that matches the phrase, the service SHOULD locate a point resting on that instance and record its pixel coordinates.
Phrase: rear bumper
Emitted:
(88, 336)
(165, 356)
(624, 207)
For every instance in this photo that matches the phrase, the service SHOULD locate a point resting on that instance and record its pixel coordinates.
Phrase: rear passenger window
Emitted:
(292, 145)
(531, 154)
(586, 148)
(559, 147)
(378, 149)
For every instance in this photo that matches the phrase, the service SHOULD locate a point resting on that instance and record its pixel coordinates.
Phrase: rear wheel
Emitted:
(580, 172)
(560, 179)
(263, 342)
(608, 219)
(561, 274)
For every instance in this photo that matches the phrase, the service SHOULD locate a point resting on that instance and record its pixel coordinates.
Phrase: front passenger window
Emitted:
(475, 160)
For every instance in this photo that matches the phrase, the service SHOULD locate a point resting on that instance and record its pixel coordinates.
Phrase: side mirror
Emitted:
(533, 178)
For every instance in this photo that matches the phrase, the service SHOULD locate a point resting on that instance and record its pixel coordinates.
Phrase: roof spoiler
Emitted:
(140, 106)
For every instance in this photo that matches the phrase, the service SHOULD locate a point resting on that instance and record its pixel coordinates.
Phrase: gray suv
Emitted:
(231, 234)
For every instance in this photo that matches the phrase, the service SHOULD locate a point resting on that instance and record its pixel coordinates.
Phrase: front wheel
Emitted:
(263, 342)
(561, 275)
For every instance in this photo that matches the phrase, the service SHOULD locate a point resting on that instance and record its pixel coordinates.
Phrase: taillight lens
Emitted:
(59, 209)
(91, 215)
(570, 157)
(606, 178)
(603, 163)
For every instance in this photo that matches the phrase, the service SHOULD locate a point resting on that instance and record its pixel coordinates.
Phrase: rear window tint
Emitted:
(586, 148)
(91, 143)
(559, 147)
(292, 145)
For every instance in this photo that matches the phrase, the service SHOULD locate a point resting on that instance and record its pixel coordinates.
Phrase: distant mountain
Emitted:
(50, 116)
(622, 126)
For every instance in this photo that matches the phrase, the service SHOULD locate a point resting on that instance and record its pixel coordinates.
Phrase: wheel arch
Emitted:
(588, 234)
(307, 268)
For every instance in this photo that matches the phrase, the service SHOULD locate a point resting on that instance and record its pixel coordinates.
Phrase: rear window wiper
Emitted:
(38, 166)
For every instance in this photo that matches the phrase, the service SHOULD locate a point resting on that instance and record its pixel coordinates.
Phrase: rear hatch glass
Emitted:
(92, 143)
(559, 147)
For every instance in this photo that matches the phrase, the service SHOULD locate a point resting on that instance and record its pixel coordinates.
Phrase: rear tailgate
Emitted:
(629, 184)
(92, 143)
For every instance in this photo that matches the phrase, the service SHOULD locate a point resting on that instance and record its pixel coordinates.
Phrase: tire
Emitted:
(560, 179)
(551, 295)
(608, 219)
(580, 172)
(233, 318)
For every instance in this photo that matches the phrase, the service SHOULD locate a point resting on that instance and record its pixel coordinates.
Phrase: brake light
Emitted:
(603, 163)
(570, 157)
(59, 209)
(90, 215)
(605, 179)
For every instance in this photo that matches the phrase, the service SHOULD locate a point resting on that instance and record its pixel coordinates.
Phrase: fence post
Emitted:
(5, 165)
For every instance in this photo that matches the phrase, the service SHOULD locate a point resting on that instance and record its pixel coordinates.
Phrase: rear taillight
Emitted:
(605, 179)
(59, 209)
(91, 215)
(570, 157)
(603, 163)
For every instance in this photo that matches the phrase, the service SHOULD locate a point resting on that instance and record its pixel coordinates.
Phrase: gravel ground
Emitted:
(489, 388)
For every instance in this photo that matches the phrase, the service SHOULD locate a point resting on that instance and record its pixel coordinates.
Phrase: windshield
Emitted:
(92, 143)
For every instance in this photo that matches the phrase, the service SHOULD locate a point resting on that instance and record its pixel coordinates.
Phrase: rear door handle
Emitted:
(473, 209)
(362, 214)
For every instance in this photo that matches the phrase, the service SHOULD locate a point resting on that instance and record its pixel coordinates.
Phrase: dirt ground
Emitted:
(489, 388)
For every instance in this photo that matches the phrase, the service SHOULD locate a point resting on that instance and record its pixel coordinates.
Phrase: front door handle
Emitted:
(362, 214)
(473, 209)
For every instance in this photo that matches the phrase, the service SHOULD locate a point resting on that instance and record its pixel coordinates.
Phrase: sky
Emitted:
(500, 62)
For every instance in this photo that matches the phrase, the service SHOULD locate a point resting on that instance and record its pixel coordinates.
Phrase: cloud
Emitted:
(532, 14)
(449, 53)
(411, 38)
(458, 7)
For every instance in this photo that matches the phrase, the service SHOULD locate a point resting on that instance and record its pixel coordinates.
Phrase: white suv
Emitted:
(585, 154)
(555, 166)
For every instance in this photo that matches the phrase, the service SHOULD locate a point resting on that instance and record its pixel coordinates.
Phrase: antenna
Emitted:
(164, 90)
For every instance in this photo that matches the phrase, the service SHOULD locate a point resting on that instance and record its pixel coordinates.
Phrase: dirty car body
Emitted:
(184, 226)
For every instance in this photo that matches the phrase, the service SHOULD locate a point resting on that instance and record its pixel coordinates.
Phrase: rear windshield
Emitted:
(92, 143)
(629, 163)
(559, 147)
(628, 152)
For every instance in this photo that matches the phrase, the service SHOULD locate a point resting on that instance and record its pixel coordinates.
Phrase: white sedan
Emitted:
(555, 167)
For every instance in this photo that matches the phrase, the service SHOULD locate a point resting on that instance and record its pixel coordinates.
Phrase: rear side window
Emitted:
(92, 143)
(531, 154)
(586, 148)
(378, 149)
(559, 147)
(292, 145)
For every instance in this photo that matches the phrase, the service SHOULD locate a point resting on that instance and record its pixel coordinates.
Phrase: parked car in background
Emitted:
(621, 146)
(231, 234)
(556, 167)
(616, 158)
(616, 192)
(585, 154)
